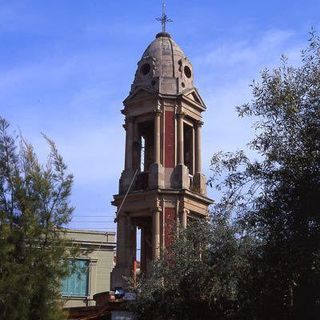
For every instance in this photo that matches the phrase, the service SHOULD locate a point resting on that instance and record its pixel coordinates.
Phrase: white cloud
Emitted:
(83, 93)
(248, 51)
(225, 74)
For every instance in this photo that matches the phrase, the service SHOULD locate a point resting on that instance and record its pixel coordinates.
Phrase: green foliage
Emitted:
(34, 206)
(275, 199)
(259, 258)
(198, 279)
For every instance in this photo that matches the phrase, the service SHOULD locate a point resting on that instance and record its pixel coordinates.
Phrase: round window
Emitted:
(145, 69)
(187, 72)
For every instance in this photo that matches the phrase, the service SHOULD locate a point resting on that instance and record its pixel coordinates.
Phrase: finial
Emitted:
(164, 18)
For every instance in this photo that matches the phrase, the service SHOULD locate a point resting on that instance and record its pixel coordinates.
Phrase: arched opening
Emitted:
(188, 141)
(146, 140)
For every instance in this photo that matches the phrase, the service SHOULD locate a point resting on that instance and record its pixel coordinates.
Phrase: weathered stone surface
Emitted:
(164, 68)
(180, 178)
(125, 180)
(156, 176)
(163, 118)
(199, 183)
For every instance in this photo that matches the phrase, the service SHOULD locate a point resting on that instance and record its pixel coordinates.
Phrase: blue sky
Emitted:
(66, 67)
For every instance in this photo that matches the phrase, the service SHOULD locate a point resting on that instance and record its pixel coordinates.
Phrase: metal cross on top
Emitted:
(164, 18)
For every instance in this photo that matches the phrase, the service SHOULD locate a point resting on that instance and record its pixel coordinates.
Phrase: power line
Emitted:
(91, 216)
(98, 221)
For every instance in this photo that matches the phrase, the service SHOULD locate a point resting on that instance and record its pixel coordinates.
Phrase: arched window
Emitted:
(188, 141)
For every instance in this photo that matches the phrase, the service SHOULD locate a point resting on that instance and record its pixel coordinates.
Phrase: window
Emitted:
(187, 72)
(76, 284)
(145, 69)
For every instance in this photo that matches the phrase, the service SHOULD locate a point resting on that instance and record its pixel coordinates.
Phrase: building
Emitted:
(93, 270)
(162, 186)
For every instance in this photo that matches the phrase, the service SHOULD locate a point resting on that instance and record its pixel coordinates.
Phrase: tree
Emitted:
(34, 207)
(259, 258)
(198, 278)
(275, 199)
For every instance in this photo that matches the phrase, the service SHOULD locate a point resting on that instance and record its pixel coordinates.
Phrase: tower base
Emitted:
(118, 277)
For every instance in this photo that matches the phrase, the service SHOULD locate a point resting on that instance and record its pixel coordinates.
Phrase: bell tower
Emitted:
(162, 186)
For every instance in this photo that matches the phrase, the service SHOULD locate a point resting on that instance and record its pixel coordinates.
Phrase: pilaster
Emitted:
(129, 136)
(184, 218)
(92, 278)
(156, 232)
(157, 136)
(198, 125)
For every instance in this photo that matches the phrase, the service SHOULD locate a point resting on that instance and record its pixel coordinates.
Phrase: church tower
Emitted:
(162, 186)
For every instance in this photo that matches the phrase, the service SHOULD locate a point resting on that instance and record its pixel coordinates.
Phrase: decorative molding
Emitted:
(199, 123)
(130, 119)
(180, 114)
(158, 111)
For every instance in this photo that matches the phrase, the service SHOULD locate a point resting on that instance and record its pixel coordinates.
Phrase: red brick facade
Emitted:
(169, 139)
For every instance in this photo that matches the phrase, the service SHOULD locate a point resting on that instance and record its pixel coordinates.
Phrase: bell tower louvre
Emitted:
(162, 186)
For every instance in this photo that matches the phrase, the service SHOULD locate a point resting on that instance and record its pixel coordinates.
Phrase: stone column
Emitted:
(180, 157)
(129, 139)
(198, 126)
(123, 266)
(143, 262)
(121, 237)
(130, 244)
(157, 134)
(135, 146)
(133, 244)
(184, 218)
(156, 234)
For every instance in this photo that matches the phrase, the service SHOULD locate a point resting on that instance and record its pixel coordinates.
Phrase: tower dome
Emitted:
(164, 68)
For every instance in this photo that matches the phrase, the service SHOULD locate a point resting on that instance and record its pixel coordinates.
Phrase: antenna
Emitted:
(164, 18)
